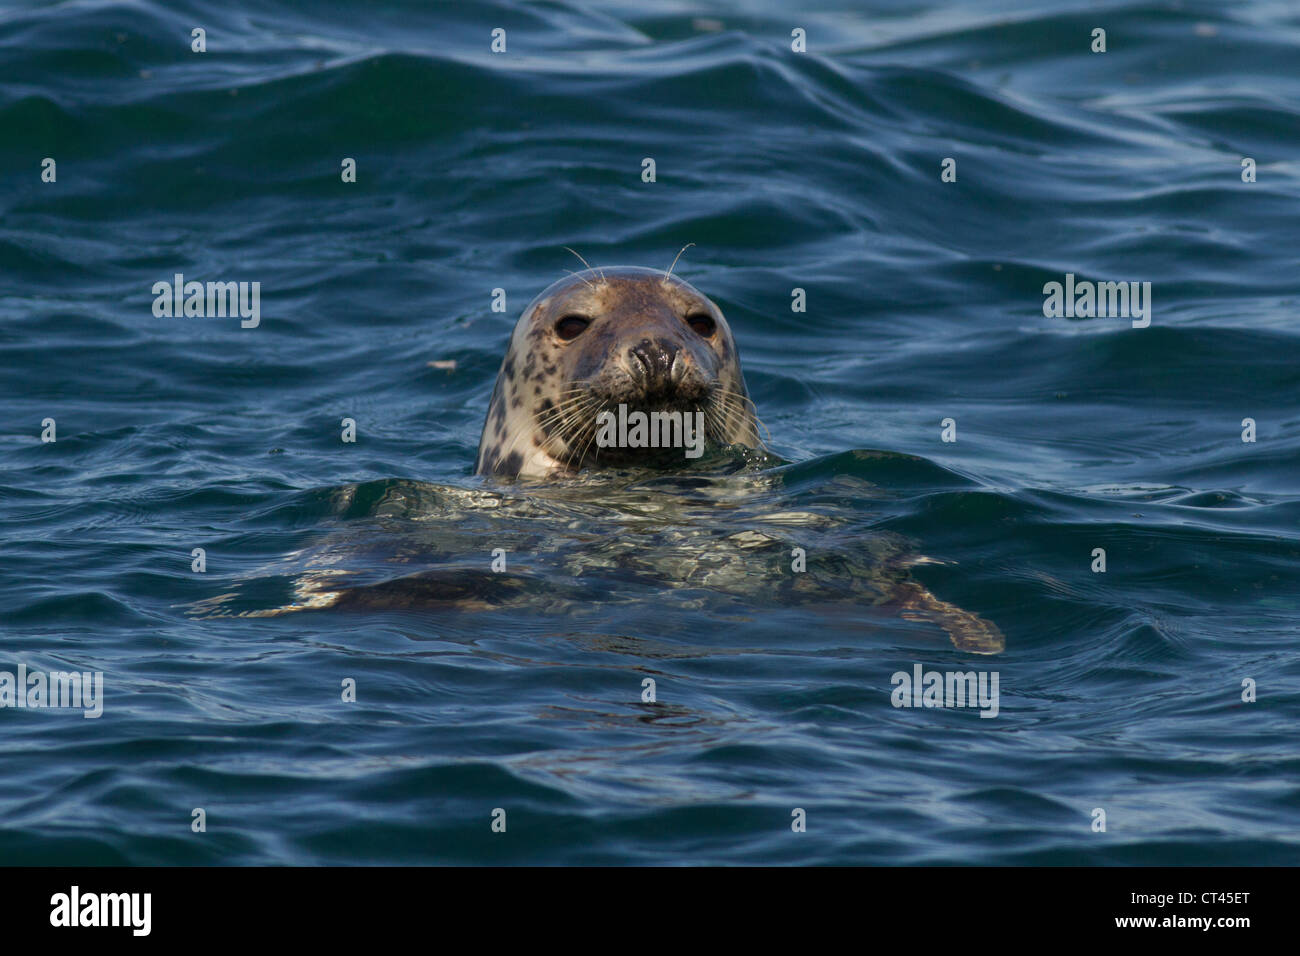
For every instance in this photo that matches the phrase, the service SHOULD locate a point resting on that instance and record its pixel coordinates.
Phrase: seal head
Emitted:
(598, 346)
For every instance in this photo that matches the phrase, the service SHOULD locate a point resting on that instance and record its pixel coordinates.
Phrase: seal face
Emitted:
(596, 348)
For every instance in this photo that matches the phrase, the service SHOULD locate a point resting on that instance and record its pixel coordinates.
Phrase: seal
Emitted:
(596, 349)
(606, 345)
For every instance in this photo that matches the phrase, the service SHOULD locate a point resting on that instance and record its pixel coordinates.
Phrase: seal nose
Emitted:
(657, 359)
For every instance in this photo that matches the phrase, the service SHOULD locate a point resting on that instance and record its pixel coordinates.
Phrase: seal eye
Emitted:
(571, 326)
(703, 324)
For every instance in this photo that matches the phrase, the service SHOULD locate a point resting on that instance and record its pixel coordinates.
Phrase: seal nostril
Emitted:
(656, 359)
(639, 357)
(678, 370)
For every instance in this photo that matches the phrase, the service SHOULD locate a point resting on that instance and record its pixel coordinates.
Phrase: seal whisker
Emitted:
(574, 423)
(730, 412)
(669, 274)
(543, 422)
(601, 272)
(582, 277)
(596, 406)
(589, 428)
(570, 420)
(718, 410)
(586, 446)
(713, 426)
(563, 414)
(746, 406)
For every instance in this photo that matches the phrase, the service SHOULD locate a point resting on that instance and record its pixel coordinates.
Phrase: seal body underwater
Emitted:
(613, 341)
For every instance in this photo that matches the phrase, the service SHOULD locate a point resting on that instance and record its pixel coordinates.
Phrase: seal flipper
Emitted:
(968, 632)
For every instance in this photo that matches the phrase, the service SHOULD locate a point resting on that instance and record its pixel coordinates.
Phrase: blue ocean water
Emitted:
(821, 170)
